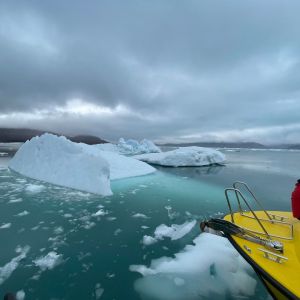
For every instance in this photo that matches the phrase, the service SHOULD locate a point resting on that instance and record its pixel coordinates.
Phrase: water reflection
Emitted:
(192, 171)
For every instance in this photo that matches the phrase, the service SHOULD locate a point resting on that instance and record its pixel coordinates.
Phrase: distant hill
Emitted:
(249, 145)
(12, 135)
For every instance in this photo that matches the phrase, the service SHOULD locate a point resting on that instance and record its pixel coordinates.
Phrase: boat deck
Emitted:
(283, 268)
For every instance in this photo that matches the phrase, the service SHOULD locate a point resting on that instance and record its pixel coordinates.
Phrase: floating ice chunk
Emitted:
(184, 157)
(99, 213)
(179, 281)
(49, 261)
(98, 291)
(20, 295)
(5, 226)
(67, 216)
(207, 269)
(23, 213)
(34, 188)
(58, 230)
(59, 161)
(8, 269)
(88, 225)
(118, 231)
(15, 200)
(139, 215)
(148, 240)
(174, 232)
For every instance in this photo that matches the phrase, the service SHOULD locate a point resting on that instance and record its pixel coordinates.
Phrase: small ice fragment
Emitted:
(58, 230)
(20, 295)
(138, 215)
(99, 213)
(5, 226)
(15, 200)
(179, 281)
(34, 188)
(23, 213)
(68, 216)
(148, 240)
(117, 231)
(49, 261)
(98, 291)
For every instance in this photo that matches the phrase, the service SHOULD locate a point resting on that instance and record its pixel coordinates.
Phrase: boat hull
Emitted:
(277, 290)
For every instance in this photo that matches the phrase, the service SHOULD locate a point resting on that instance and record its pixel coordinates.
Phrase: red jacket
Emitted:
(296, 201)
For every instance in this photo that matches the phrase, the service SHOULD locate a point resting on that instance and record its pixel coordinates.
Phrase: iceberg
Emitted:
(130, 147)
(59, 161)
(184, 157)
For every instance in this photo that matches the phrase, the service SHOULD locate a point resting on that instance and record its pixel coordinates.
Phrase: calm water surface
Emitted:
(96, 251)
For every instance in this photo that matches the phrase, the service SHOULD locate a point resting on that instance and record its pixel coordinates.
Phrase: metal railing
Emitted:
(270, 217)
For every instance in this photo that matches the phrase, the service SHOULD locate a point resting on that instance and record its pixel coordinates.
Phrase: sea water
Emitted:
(58, 243)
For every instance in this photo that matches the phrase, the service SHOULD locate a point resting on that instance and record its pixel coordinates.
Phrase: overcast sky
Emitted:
(193, 70)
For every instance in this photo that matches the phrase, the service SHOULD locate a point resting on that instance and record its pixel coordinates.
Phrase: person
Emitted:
(295, 197)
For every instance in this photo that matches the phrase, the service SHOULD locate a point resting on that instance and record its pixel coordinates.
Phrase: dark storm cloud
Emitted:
(195, 68)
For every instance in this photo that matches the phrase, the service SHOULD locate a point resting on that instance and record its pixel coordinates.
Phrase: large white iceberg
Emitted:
(130, 147)
(59, 161)
(184, 157)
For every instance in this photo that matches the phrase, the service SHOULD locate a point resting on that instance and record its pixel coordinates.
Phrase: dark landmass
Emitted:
(246, 145)
(287, 146)
(18, 135)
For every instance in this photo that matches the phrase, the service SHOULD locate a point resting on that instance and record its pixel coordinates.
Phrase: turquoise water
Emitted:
(97, 251)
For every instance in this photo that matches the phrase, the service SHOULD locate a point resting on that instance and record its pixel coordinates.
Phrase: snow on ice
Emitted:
(184, 157)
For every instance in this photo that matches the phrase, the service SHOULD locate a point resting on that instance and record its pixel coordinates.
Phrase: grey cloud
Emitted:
(205, 66)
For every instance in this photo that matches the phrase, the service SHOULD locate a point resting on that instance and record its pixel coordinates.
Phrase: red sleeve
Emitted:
(296, 202)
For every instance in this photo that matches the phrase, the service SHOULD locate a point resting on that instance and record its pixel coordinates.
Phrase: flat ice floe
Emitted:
(8, 269)
(184, 157)
(59, 161)
(210, 269)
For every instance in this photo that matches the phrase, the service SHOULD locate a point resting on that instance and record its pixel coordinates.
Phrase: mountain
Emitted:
(249, 145)
(10, 135)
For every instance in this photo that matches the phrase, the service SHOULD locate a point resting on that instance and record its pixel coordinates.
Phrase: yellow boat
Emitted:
(268, 240)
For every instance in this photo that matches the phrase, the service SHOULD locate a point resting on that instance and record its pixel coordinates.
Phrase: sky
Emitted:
(166, 70)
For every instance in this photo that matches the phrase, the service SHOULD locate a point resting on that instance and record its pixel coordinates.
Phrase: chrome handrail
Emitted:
(235, 186)
(238, 193)
(271, 217)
